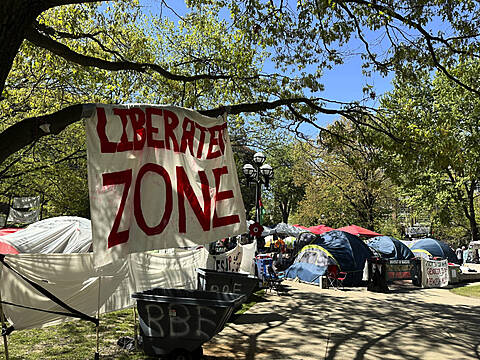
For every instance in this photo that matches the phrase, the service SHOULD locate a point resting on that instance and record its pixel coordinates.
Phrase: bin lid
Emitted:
(190, 297)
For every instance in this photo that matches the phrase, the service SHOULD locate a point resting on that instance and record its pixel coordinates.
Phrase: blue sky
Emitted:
(343, 83)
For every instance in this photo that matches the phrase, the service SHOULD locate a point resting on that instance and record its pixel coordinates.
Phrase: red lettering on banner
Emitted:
(188, 136)
(201, 141)
(137, 118)
(105, 145)
(151, 142)
(169, 127)
(137, 204)
(184, 188)
(124, 144)
(216, 139)
(121, 177)
(222, 195)
(144, 132)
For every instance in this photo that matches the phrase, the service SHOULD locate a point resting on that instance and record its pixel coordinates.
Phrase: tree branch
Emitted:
(37, 38)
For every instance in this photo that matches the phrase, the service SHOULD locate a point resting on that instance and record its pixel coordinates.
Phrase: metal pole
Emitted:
(257, 195)
(2, 317)
(97, 353)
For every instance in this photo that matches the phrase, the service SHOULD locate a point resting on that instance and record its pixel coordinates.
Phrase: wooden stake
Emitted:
(97, 353)
(135, 326)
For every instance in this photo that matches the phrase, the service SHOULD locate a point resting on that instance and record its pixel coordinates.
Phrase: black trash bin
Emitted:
(174, 323)
(224, 281)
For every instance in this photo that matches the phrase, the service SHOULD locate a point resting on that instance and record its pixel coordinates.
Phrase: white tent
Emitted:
(63, 234)
(43, 289)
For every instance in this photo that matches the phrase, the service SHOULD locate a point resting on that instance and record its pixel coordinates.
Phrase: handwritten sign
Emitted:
(159, 177)
(434, 273)
(229, 261)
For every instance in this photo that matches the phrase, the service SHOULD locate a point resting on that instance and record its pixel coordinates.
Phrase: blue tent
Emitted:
(434, 248)
(390, 248)
(337, 247)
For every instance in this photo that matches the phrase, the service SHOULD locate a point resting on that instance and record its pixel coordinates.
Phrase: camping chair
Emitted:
(335, 276)
(273, 280)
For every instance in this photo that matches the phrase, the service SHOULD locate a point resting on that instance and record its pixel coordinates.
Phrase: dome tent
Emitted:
(390, 248)
(346, 250)
(434, 248)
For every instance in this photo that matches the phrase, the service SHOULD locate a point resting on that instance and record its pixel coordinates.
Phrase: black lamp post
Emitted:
(258, 173)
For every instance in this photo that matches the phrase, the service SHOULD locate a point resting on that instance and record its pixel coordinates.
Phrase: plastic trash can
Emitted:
(174, 323)
(227, 282)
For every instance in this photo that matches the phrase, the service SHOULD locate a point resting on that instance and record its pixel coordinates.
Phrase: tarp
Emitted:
(288, 230)
(348, 251)
(300, 226)
(159, 177)
(7, 248)
(319, 229)
(75, 280)
(358, 231)
(390, 248)
(62, 234)
(434, 248)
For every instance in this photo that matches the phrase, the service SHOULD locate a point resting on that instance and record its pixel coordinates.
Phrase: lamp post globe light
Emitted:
(259, 174)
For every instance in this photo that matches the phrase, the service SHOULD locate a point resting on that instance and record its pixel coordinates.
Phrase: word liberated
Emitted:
(146, 126)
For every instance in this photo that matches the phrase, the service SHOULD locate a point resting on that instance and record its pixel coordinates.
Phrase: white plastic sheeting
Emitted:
(71, 278)
(63, 234)
(74, 279)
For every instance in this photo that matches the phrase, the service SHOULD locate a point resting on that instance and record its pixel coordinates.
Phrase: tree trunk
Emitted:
(472, 219)
(16, 16)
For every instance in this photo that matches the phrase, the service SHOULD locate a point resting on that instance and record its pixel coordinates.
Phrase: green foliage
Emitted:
(436, 150)
(40, 83)
(285, 192)
(344, 180)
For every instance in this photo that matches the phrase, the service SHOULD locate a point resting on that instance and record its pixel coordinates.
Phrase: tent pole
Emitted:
(135, 341)
(2, 317)
(97, 353)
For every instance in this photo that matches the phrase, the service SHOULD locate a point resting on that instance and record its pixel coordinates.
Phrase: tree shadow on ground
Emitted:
(405, 322)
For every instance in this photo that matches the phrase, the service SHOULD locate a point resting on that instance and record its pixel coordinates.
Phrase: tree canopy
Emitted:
(300, 39)
(438, 160)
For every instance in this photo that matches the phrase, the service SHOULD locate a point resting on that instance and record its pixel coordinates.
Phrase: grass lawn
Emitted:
(76, 340)
(472, 291)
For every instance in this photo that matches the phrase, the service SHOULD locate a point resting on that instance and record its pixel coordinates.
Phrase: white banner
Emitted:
(434, 273)
(159, 177)
(229, 261)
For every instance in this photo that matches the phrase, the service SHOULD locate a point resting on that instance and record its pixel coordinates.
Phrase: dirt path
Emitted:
(314, 323)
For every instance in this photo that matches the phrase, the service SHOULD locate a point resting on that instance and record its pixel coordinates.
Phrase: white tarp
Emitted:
(159, 177)
(434, 273)
(74, 279)
(248, 254)
(71, 278)
(62, 234)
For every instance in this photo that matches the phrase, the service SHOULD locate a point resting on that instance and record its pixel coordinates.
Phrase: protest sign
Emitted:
(434, 273)
(159, 177)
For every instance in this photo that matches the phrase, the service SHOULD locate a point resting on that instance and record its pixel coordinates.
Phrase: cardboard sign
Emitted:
(159, 177)
(434, 273)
